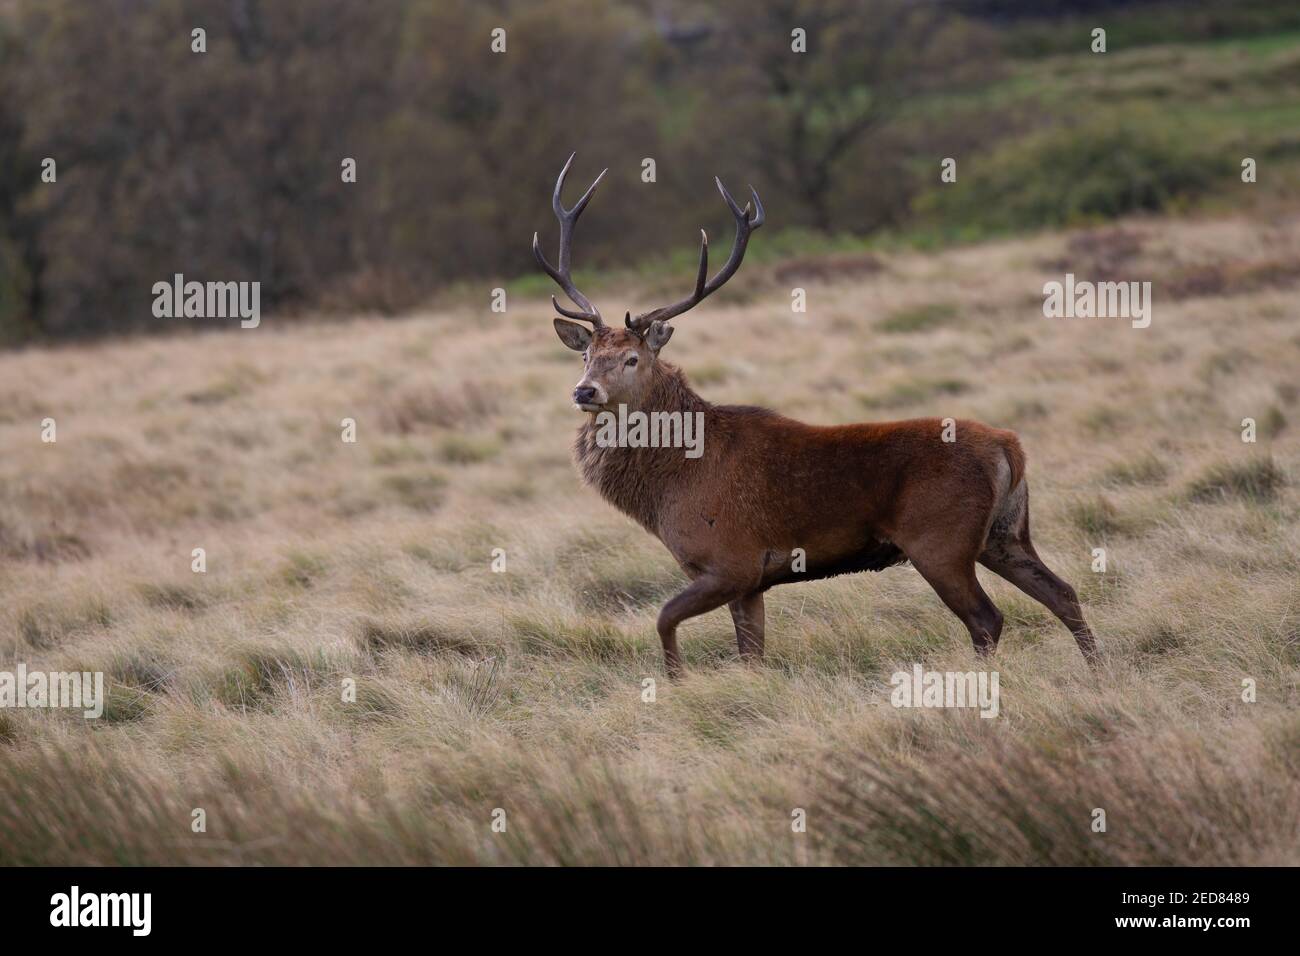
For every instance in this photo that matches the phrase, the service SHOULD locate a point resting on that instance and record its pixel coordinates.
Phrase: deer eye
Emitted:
(630, 362)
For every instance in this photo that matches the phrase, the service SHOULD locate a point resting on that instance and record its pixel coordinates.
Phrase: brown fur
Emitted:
(852, 497)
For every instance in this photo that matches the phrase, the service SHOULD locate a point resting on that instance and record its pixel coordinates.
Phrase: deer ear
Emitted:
(658, 334)
(575, 336)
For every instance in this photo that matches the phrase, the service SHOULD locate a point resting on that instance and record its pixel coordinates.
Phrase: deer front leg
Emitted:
(704, 594)
(747, 615)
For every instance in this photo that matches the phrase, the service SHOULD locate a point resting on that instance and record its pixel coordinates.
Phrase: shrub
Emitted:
(1072, 175)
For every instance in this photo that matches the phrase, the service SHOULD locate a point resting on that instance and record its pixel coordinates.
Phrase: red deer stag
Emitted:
(768, 494)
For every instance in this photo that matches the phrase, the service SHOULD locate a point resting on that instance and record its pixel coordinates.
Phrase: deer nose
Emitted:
(583, 395)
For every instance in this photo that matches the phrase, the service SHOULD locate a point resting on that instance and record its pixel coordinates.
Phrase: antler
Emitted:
(744, 226)
(568, 217)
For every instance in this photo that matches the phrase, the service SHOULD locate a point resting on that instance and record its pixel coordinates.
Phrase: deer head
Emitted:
(617, 363)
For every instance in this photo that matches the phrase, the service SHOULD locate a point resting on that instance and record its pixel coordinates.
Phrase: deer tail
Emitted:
(1015, 457)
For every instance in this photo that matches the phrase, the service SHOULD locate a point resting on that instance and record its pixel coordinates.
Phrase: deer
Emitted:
(771, 500)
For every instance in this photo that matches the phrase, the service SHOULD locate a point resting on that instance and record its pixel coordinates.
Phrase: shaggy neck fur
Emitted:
(634, 479)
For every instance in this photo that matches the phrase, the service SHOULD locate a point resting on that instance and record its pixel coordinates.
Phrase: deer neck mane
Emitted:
(634, 480)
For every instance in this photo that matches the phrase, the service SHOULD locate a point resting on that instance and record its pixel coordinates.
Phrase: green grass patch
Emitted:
(419, 491)
(919, 318)
(915, 392)
(1257, 480)
(1097, 517)
(1146, 469)
(461, 449)
(1115, 164)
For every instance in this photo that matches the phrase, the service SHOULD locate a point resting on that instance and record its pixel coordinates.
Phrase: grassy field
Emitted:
(523, 691)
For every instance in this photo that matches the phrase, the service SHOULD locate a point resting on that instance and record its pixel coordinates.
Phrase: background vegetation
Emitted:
(226, 165)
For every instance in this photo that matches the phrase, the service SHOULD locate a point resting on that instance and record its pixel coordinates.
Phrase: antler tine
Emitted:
(570, 313)
(703, 274)
(746, 223)
(568, 217)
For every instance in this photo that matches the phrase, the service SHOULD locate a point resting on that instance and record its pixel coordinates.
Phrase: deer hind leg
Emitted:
(953, 579)
(1010, 554)
(702, 595)
(747, 615)
(944, 554)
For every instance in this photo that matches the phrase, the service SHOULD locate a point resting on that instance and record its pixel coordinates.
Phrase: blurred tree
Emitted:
(223, 164)
(20, 262)
(226, 164)
(487, 132)
(806, 116)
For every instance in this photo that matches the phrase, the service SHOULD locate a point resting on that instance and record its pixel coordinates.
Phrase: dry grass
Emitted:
(522, 690)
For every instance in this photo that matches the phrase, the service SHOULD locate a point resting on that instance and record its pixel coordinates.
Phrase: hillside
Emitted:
(522, 690)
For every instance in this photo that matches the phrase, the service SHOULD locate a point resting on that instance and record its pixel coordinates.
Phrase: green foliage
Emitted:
(225, 165)
(16, 324)
(1078, 174)
(1049, 27)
